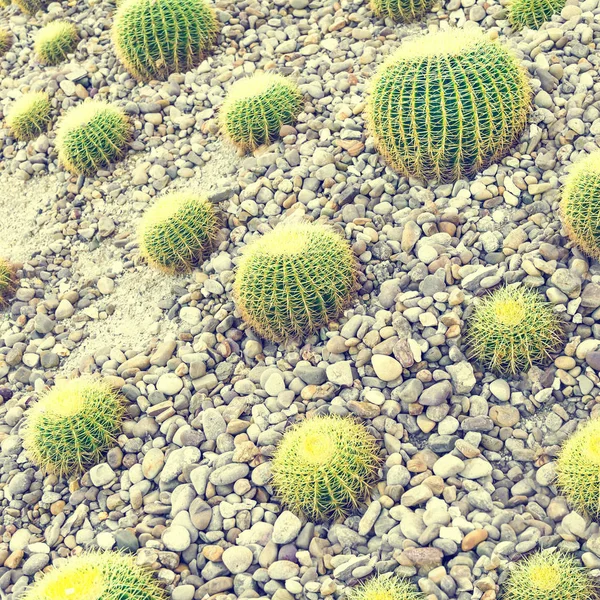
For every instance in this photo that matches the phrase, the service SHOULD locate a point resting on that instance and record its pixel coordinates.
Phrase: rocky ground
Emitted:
(466, 483)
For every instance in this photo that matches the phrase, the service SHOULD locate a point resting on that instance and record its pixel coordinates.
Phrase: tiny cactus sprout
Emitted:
(549, 576)
(29, 116)
(532, 13)
(324, 466)
(580, 204)
(294, 280)
(96, 576)
(154, 38)
(91, 136)
(447, 104)
(30, 7)
(512, 329)
(55, 41)
(255, 109)
(7, 281)
(6, 41)
(71, 427)
(177, 231)
(383, 587)
(401, 10)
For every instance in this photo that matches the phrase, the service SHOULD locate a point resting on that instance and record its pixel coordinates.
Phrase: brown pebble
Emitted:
(473, 538)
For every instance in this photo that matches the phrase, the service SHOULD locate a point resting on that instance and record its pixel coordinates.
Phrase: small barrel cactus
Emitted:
(54, 41)
(447, 104)
(29, 116)
(533, 13)
(580, 208)
(90, 136)
(549, 576)
(323, 467)
(6, 41)
(255, 109)
(71, 427)
(294, 280)
(30, 7)
(383, 587)
(96, 575)
(178, 230)
(401, 10)
(155, 38)
(513, 328)
(7, 281)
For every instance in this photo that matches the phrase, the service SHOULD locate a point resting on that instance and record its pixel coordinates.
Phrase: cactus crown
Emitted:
(401, 10)
(512, 329)
(256, 108)
(6, 40)
(178, 230)
(324, 466)
(54, 41)
(155, 38)
(383, 587)
(30, 115)
(447, 104)
(533, 13)
(294, 280)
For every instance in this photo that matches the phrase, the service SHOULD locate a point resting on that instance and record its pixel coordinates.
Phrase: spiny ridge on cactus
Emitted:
(401, 10)
(97, 576)
(54, 41)
(155, 38)
(549, 576)
(29, 116)
(383, 587)
(447, 104)
(294, 280)
(7, 280)
(6, 40)
(30, 7)
(512, 329)
(178, 230)
(255, 109)
(91, 136)
(533, 13)
(323, 466)
(71, 427)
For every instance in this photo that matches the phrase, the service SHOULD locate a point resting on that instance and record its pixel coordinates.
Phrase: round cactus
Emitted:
(256, 108)
(294, 280)
(90, 136)
(177, 230)
(549, 576)
(447, 104)
(96, 575)
(6, 40)
(383, 587)
(54, 41)
(7, 281)
(401, 10)
(513, 328)
(155, 38)
(72, 426)
(533, 13)
(30, 7)
(29, 116)
(323, 466)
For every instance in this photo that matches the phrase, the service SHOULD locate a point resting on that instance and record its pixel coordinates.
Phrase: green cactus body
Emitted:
(533, 13)
(323, 466)
(71, 427)
(30, 7)
(383, 587)
(255, 109)
(177, 231)
(580, 204)
(447, 104)
(90, 136)
(55, 41)
(155, 38)
(29, 116)
(294, 280)
(401, 10)
(7, 281)
(6, 41)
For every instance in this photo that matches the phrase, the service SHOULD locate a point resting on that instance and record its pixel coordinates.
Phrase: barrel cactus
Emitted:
(323, 467)
(533, 13)
(294, 280)
(256, 108)
(71, 427)
(447, 104)
(91, 136)
(6, 41)
(384, 587)
(7, 281)
(155, 38)
(177, 231)
(54, 41)
(30, 7)
(401, 10)
(29, 116)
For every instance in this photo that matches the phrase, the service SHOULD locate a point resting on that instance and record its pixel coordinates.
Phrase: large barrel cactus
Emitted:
(29, 116)
(447, 104)
(533, 13)
(401, 10)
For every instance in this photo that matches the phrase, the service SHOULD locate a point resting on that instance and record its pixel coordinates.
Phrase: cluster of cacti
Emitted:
(323, 466)
(6, 40)
(533, 13)
(177, 231)
(294, 280)
(385, 587)
(29, 116)
(155, 38)
(549, 576)
(30, 7)
(447, 104)
(7, 280)
(54, 41)
(401, 10)
(580, 204)
(91, 136)
(73, 425)
(255, 109)
(97, 576)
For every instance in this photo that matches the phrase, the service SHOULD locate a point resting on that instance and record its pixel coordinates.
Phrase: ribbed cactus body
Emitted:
(533, 13)
(447, 104)
(29, 116)
(6, 41)
(255, 109)
(54, 41)
(401, 10)
(384, 587)
(155, 38)
(30, 7)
